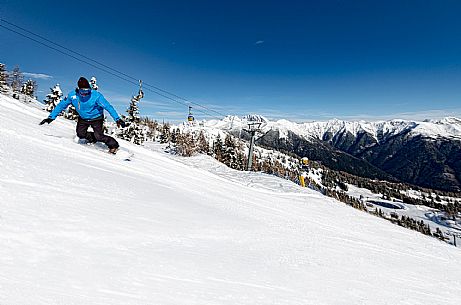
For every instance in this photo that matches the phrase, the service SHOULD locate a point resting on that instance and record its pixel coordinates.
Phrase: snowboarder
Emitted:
(90, 105)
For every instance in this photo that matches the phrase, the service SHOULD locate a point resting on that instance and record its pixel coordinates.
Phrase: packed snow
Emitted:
(82, 227)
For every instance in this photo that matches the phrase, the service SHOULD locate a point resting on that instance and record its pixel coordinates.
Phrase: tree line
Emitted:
(12, 82)
(397, 191)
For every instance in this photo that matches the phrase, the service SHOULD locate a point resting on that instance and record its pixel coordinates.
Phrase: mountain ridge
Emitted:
(448, 127)
(424, 153)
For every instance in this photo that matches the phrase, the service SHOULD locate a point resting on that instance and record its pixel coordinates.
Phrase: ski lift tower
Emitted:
(252, 128)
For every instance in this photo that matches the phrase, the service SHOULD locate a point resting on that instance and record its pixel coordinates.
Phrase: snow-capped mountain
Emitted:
(449, 127)
(79, 226)
(425, 153)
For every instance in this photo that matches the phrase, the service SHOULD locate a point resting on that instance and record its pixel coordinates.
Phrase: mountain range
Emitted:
(424, 153)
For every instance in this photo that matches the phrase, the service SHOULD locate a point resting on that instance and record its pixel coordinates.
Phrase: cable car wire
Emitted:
(108, 69)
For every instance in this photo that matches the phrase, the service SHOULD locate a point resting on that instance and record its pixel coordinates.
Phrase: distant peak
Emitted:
(447, 120)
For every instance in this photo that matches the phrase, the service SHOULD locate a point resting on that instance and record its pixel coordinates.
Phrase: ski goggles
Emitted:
(84, 91)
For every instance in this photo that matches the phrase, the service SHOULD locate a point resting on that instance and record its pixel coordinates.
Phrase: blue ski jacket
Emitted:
(88, 107)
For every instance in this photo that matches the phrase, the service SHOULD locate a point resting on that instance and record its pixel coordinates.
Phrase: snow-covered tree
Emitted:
(241, 161)
(232, 155)
(152, 126)
(202, 144)
(165, 133)
(133, 109)
(93, 83)
(229, 154)
(218, 148)
(134, 131)
(16, 79)
(185, 144)
(29, 88)
(71, 113)
(3, 79)
(53, 98)
(174, 135)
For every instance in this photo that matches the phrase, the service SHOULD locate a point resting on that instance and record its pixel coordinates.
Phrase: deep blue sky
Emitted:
(299, 60)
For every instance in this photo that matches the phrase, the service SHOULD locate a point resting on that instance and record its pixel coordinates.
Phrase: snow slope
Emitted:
(80, 227)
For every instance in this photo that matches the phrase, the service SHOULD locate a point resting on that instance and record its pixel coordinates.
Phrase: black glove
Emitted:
(121, 123)
(47, 120)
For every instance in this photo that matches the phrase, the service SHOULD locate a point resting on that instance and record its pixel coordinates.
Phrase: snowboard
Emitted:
(122, 153)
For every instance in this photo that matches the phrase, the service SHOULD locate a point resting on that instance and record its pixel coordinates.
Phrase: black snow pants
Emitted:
(98, 134)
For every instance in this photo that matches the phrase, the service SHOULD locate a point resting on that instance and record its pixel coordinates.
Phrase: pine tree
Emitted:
(256, 163)
(165, 133)
(93, 83)
(439, 234)
(133, 109)
(231, 152)
(175, 135)
(152, 127)
(16, 79)
(29, 88)
(218, 149)
(134, 132)
(202, 144)
(266, 166)
(71, 113)
(53, 98)
(4, 88)
(241, 162)
(185, 144)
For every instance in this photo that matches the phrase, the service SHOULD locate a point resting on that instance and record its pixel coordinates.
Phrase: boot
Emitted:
(113, 150)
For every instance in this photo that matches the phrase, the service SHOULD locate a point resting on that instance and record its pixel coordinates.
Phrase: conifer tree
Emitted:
(230, 153)
(16, 79)
(152, 127)
(241, 161)
(256, 163)
(133, 109)
(71, 113)
(29, 88)
(4, 88)
(174, 135)
(134, 131)
(165, 133)
(218, 149)
(439, 234)
(185, 144)
(202, 144)
(53, 98)
(93, 83)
